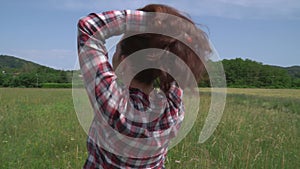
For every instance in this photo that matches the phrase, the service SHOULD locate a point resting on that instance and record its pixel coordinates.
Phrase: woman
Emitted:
(134, 121)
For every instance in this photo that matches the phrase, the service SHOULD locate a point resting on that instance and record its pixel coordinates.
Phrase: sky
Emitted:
(267, 31)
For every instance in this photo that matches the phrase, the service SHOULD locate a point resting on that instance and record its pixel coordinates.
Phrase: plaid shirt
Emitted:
(120, 136)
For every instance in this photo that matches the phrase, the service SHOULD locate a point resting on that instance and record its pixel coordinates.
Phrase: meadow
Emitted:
(259, 129)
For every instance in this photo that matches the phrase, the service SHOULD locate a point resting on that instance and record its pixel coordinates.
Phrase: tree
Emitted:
(296, 83)
(62, 77)
(27, 80)
(248, 73)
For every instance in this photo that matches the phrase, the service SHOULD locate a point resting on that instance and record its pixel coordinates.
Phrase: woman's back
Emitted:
(133, 122)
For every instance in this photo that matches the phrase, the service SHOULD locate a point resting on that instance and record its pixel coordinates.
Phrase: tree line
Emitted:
(33, 79)
(246, 73)
(239, 73)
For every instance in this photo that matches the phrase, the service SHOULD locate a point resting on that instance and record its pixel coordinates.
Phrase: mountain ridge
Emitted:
(14, 63)
(16, 72)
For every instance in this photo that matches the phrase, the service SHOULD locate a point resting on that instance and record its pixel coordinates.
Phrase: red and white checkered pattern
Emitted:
(111, 100)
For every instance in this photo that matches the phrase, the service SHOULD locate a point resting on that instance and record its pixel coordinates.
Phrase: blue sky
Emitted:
(44, 32)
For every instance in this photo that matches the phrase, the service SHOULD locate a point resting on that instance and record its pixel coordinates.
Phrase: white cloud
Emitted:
(95, 4)
(243, 9)
(285, 9)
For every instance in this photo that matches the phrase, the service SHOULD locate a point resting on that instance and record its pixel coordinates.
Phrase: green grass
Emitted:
(255, 132)
(39, 129)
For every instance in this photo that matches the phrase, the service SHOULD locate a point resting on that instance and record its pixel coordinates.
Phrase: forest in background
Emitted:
(246, 73)
(240, 73)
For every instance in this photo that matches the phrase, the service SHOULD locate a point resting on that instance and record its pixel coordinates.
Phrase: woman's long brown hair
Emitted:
(194, 36)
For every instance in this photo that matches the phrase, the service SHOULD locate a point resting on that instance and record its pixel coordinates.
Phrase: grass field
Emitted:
(260, 128)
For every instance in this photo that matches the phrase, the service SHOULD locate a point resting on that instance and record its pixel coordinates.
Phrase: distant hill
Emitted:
(11, 64)
(16, 72)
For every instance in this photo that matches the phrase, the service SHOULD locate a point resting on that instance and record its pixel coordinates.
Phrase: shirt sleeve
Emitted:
(104, 91)
(93, 30)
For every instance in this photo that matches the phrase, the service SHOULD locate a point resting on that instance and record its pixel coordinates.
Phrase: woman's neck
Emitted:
(146, 88)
